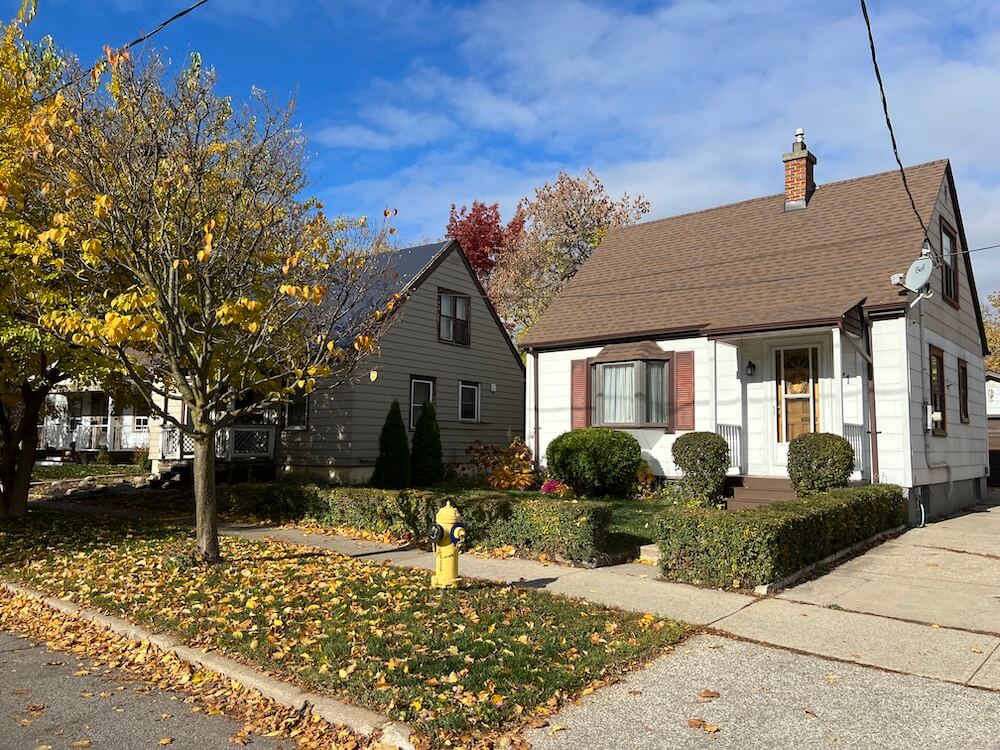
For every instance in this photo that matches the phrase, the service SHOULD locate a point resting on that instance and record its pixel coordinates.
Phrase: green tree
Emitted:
(222, 286)
(392, 467)
(426, 462)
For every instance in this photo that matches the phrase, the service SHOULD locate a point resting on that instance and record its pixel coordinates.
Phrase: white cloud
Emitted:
(691, 104)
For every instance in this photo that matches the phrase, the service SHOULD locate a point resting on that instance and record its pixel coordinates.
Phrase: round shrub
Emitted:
(819, 461)
(595, 462)
(703, 458)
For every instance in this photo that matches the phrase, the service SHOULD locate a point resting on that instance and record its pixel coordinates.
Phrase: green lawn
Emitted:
(479, 660)
(632, 523)
(79, 471)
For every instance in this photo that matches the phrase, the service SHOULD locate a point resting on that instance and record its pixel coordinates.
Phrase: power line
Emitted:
(138, 40)
(888, 122)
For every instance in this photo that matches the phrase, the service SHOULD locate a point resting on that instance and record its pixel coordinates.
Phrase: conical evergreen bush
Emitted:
(392, 467)
(426, 462)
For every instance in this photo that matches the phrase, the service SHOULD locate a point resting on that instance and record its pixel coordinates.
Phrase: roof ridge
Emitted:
(747, 201)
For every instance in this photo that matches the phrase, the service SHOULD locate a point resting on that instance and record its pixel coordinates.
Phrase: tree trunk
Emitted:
(206, 507)
(17, 459)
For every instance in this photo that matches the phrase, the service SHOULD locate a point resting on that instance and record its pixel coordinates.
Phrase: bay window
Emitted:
(632, 393)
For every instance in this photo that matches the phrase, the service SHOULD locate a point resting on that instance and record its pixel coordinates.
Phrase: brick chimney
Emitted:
(799, 185)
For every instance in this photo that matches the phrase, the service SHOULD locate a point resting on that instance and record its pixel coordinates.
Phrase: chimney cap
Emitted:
(800, 135)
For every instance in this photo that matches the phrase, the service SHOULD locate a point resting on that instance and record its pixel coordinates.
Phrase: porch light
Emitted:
(751, 368)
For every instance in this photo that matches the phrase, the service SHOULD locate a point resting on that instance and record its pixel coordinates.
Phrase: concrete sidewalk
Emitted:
(947, 573)
(771, 698)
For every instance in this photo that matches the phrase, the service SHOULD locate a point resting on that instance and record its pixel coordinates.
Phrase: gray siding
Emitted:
(344, 424)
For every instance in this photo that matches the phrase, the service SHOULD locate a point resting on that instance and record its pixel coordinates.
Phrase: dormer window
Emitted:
(453, 317)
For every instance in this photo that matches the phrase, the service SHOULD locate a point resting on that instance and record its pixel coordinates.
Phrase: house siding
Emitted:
(344, 426)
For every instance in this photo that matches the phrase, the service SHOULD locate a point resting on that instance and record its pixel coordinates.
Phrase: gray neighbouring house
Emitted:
(447, 345)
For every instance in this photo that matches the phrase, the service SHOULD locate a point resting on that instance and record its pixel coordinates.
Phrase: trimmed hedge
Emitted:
(818, 462)
(595, 461)
(703, 458)
(573, 530)
(746, 548)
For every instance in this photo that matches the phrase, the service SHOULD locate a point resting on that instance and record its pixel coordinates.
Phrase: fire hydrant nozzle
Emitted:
(447, 532)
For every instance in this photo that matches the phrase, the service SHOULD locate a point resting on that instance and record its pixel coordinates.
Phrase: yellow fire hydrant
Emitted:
(447, 532)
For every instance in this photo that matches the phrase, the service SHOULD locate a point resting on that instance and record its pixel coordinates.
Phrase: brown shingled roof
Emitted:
(748, 265)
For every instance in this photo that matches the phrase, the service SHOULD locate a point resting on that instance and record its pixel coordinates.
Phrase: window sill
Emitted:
(455, 343)
(305, 428)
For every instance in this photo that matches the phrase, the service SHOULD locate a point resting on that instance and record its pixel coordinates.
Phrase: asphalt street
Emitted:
(46, 702)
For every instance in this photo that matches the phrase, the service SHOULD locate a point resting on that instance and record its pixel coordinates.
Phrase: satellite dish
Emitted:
(918, 275)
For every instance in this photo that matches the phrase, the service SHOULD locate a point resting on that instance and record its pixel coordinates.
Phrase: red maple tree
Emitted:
(482, 235)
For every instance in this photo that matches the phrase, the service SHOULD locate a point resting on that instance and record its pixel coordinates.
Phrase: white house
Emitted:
(80, 419)
(777, 316)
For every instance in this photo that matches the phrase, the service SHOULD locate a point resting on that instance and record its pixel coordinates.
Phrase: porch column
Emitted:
(837, 413)
(713, 370)
(111, 423)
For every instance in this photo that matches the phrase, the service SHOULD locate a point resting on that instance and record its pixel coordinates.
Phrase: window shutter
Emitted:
(579, 394)
(683, 391)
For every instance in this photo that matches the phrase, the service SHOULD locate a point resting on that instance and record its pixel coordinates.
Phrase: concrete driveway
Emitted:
(947, 574)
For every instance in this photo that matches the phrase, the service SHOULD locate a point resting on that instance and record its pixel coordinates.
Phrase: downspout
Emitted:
(534, 407)
(872, 419)
(925, 405)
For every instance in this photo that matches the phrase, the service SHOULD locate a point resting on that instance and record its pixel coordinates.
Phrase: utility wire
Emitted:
(888, 122)
(138, 40)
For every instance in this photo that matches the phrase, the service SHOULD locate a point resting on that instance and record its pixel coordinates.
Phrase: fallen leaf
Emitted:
(808, 712)
(166, 741)
(81, 743)
(696, 723)
(831, 679)
(710, 728)
(557, 728)
(708, 694)
(635, 692)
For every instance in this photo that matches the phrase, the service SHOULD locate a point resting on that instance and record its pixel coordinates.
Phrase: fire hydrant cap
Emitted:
(448, 515)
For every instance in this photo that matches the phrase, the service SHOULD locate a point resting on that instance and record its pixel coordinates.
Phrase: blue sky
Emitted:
(423, 103)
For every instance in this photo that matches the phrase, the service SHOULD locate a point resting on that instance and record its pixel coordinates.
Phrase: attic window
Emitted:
(453, 317)
(949, 266)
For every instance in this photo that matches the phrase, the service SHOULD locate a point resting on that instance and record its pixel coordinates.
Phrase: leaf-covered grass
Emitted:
(480, 660)
(79, 471)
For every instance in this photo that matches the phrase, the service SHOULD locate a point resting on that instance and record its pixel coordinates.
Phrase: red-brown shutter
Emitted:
(579, 394)
(683, 391)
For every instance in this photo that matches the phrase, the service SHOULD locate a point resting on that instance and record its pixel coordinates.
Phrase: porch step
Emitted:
(779, 484)
(753, 492)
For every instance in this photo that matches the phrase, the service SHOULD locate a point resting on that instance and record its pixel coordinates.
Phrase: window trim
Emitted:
(639, 395)
(477, 387)
(949, 270)
(420, 379)
(938, 429)
(305, 421)
(442, 292)
(963, 391)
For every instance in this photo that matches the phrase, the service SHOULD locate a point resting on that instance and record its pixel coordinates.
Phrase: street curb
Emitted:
(766, 589)
(361, 720)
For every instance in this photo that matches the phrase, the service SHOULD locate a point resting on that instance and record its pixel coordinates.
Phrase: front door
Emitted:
(796, 399)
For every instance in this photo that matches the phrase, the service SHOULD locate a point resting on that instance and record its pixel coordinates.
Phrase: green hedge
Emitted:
(746, 548)
(574, 530)
(595, 461)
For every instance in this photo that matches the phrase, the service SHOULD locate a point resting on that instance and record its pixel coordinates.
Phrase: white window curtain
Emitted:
(618, 391)
(656, 393)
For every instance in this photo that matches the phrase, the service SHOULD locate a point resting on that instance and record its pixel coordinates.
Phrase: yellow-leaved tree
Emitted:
(194, 263)
(32, 361)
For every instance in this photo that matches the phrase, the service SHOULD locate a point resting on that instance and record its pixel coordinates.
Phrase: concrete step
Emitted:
(649, 553)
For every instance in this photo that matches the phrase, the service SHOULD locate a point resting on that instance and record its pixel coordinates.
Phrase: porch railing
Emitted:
(733, 435)
(92, 434)
(236, 442)
(855, 435)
